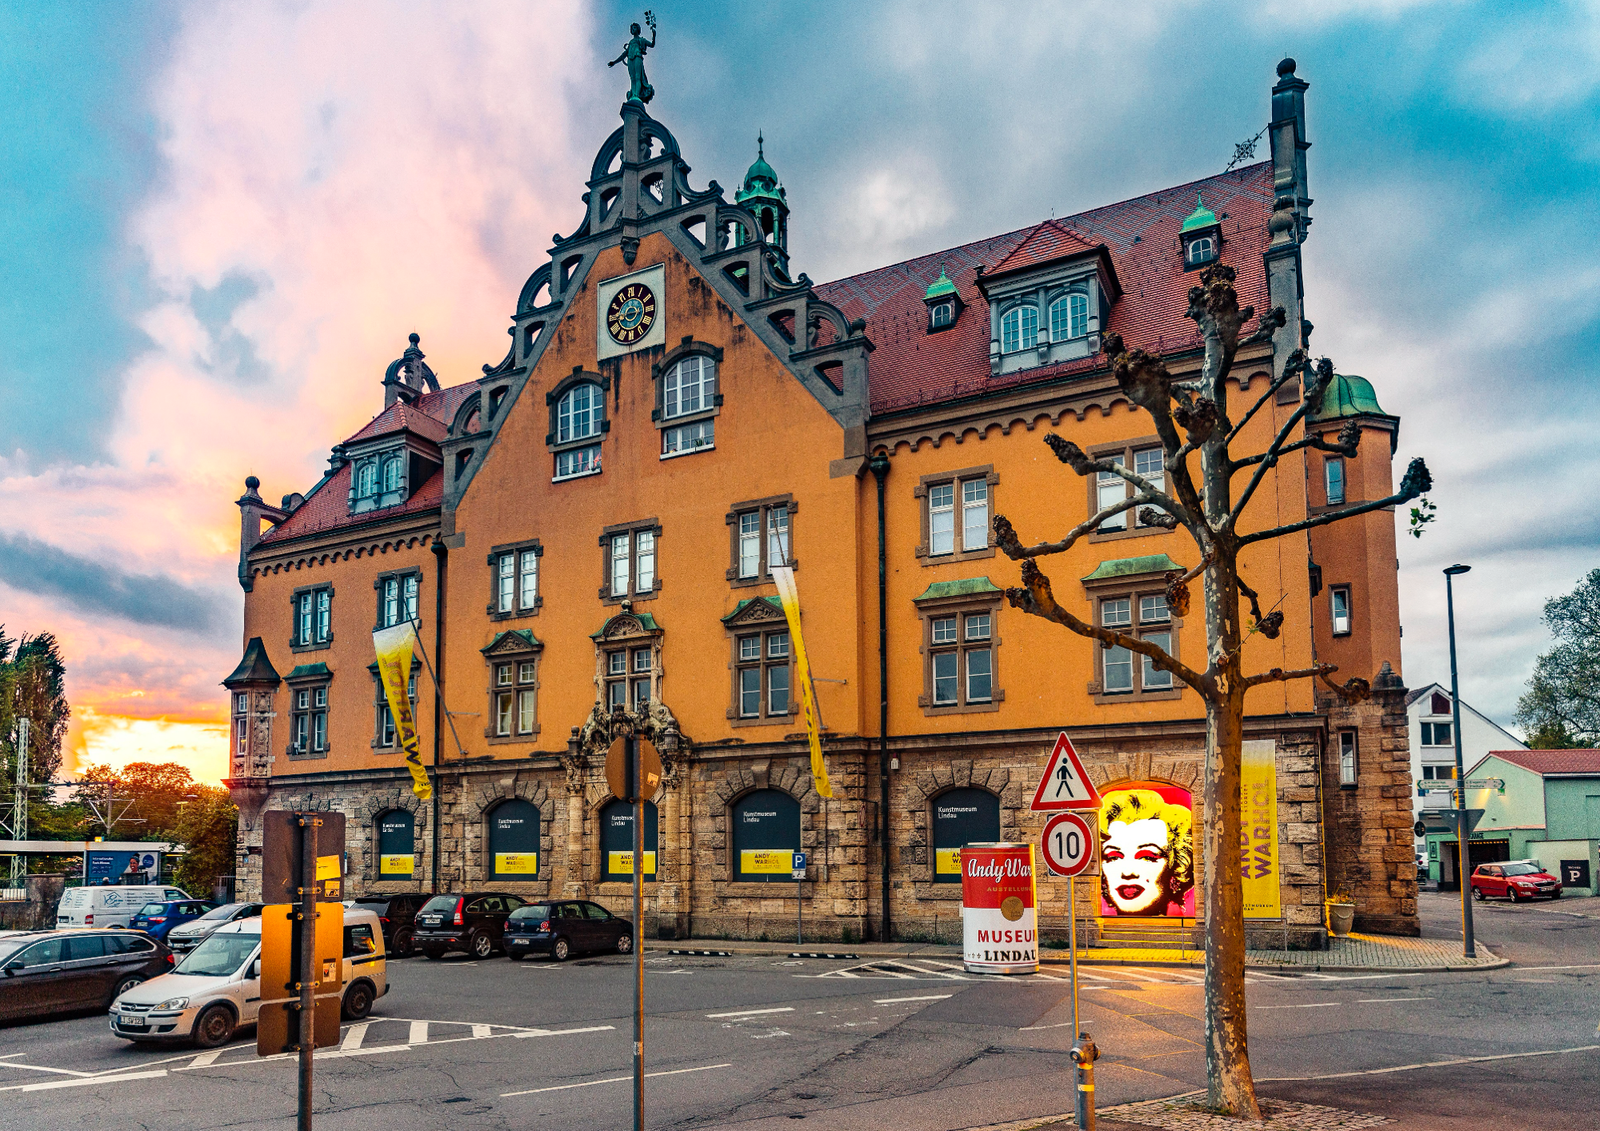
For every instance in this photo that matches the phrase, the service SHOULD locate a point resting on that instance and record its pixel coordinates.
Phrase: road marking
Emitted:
(42, 1068)
(49, 1085)
(750, 1012)
(1058, 1025)
(1380, 1000)
(892, 1000)
(1428, 1064)
(480, 1031)
(352, 1040)
(418, 1034)
(208, 1058)
(611, 1080)
(1307, 1005)
(562, 1032)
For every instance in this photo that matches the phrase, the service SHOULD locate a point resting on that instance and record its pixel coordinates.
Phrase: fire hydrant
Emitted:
(1084, 1054)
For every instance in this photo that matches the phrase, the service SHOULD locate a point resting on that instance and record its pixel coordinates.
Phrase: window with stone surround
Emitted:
(312, 609)
(960, 646)
(308, 711)
(383, 729)
(1129, 596)
(761, 664)
(1348, 759)
(578, 423)
(397, 596)
(241, 724)
(514, 580)
(956, 508)
(760, 536)
(1106, 489)
(513, 694)
(1339, 609)
(628, 561)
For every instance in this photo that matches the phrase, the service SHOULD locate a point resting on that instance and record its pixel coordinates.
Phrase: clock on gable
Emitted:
(630, 312)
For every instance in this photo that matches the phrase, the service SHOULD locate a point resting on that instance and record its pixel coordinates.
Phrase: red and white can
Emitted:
(1000, 917)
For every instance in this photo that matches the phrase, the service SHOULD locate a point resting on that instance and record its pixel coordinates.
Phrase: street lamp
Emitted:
(1462, 865)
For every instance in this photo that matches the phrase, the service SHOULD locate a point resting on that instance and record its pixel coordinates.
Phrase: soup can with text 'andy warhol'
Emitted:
(1000, 924)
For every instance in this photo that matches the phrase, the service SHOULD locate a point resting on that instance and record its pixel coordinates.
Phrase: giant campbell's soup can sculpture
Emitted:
(1000, 929)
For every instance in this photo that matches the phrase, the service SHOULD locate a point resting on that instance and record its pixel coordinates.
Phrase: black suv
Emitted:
(469, 921)
(397, 914)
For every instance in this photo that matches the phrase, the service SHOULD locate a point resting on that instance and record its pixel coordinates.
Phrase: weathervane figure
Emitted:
(639, 88)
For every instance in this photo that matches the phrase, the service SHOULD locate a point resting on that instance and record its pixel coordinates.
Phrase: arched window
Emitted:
(691, 386)
(397, 845)
(1019, 329)
(1201, 250)
(616, 841)
(391, 474)
(579, 413)
(514, 841)
(367, 480)
(1069, 317)
(943, 314)
(766, 835)
(961, 817)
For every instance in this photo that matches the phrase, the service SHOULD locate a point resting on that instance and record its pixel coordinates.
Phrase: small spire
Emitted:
(761, 145)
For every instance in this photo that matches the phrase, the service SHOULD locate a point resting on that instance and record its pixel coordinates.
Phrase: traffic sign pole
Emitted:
(1072, 942)
(635, 779)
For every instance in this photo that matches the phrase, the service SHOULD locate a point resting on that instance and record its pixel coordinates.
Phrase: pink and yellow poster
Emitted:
(1147, 851)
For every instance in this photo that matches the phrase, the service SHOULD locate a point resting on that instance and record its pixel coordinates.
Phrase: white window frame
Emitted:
(1333, 480)
(1069, 317)
(763, 655)
(629, 558)
(1019, 328)
(674, 402)
(1340, 617)
(1143, 615)
(1349, 758)
(942, 314)
(761, 534)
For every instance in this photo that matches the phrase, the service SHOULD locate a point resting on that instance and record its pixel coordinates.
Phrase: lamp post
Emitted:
(1462, 865)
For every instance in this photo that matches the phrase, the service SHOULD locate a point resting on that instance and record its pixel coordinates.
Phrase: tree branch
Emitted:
(1417, 482)
(1353, 690)
(1292, 367)
(1145, 381)
(1074, 457)
(1311, 400)
(1347, 445)
(1005, 535)
(1037, 598)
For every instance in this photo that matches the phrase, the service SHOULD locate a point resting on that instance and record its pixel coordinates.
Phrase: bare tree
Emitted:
(1192, 419)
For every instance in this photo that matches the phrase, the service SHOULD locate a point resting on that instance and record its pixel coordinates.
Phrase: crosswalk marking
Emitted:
(419, 1033)
(352, 1039)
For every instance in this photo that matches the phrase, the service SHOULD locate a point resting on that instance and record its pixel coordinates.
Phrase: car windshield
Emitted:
(8, 947)
(222, 912)
(152, 909)
(535, 911)
(441, 903)
(1526, 868)
(219, 955)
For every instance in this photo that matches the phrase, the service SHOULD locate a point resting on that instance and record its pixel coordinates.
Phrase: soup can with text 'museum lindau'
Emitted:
(1000, 924)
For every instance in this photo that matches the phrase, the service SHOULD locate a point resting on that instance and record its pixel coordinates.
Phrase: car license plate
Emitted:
(433, 920)
(134, 1023)
(518, 942)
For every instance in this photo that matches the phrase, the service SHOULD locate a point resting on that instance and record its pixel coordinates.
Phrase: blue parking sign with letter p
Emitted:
(799, 869)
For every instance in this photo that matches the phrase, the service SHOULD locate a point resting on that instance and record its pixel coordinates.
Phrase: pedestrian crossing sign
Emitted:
(1065, 783)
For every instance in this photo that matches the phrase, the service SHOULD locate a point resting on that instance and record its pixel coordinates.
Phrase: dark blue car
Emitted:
(156, 919)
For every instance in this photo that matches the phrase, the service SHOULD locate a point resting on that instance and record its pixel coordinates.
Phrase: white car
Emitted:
(110, 905)
(216, 989)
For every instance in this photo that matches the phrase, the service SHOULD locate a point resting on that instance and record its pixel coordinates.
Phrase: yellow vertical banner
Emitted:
(784, 577)
(393, 646)
(1258, 829)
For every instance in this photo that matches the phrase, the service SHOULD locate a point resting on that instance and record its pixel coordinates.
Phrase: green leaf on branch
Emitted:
(1421, 514)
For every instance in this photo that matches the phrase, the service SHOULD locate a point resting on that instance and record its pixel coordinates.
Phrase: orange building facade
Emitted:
(590, 527)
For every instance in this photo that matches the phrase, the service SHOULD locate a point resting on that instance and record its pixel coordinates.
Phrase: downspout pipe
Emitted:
(441, 554)
(880, 470)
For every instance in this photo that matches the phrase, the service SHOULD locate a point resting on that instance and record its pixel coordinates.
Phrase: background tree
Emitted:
(162, 801)
(33, 684)
(1196, 430)
(1561, 708)
(207, 827)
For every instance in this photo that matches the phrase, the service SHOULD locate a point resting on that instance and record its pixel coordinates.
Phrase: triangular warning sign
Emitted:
(1065, 784)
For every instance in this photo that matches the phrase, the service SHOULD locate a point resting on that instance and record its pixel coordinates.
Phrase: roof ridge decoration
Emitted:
(407, 375)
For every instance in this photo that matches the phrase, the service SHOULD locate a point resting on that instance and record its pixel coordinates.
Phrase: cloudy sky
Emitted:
(220, 222)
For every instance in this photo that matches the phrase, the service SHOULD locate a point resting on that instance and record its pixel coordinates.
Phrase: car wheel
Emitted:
(560, 950)
(213, 1027)
(357, 1001)
(1555, 894)
(1511, 894)
(625, 943)
(433, 953)
(404, 944)
(480, 945)
(125, 985)
(1477, 894)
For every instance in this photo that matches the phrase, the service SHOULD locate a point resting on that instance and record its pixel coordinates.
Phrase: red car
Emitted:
(1514, 880)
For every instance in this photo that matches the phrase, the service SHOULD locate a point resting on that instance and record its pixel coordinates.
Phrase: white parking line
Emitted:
(750, 1012)
(42, 1068)
(419, 1033)
(1429, 1064)
(611, 1080)
(352, 1039)
(480, 1031)
(48, 1085)
(892, 1000)
(206, 1058)
(1306, 1005)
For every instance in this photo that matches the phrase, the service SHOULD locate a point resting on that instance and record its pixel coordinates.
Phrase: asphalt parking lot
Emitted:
(854, 1043)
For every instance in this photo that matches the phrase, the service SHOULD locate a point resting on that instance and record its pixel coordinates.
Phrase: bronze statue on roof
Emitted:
(639, 88)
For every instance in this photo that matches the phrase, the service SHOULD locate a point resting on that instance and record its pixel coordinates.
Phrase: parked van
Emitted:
(109, 905)
(216, 989)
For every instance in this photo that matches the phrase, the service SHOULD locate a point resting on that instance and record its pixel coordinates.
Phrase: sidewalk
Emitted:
(1356, 954)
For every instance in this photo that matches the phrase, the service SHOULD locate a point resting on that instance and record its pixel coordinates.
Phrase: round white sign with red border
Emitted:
(1068, 843)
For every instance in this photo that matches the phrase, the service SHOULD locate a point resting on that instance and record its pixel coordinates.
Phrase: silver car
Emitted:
(185, 937)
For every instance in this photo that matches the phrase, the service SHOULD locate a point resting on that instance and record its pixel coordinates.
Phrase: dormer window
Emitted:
(367, 480)
(1198, 252)
(1069, 317)
(942, 314)
(1019, 329)
(943, 302)
(391, 474)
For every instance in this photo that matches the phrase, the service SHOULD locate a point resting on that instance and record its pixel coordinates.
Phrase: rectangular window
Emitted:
(619, 564)
(1122, 671)
(528, 578)
(1333, 478)
(761, 534)
(941, 519)
(1115, 613)
(750, 544)
(502, 714)
(1339, 601)
(324, 615)
(762, 679)
(1150, 463)
(629, 555)
(1111, 489)
(1119, 670)
(960, 671)
(313, 618)
(308, 723)
(241, 723)
(975, 515)
(641, 694)
(1153, 609)
(307, 614)
(777, 536)
(689, 437)
(1347, 757)
(578, 461)
(645, 558)
(628, 676)
(513, 700)
(397, 598)
(1436, 734)
(505, 601)
(1152, 678)
(384, 731)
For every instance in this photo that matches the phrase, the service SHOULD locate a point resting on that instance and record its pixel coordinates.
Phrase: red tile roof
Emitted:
(911, 368)
(1047, 242)
(328, 505)
(1552, 761)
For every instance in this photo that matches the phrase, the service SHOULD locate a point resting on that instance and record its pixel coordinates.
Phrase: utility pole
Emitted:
(1463, 836)
(19, 803)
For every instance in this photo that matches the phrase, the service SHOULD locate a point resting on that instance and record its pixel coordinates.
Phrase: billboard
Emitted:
(121, 867)
(1147, 851)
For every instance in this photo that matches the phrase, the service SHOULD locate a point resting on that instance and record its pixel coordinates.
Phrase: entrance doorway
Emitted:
(1478, 852)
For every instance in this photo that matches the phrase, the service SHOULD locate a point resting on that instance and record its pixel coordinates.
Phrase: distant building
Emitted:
(1537, 804)
(1433, 751)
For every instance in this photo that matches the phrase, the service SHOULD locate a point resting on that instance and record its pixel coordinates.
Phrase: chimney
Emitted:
(252, 509)
(1287, 132)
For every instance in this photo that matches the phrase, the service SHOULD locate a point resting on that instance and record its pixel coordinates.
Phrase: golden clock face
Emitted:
(631, 314)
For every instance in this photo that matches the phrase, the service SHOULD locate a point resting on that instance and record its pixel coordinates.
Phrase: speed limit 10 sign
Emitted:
(1068, 844)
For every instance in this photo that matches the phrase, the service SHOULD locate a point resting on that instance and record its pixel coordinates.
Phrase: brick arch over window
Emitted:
(361, 833)
(478, 804)
(927, 785)
(792, 777)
